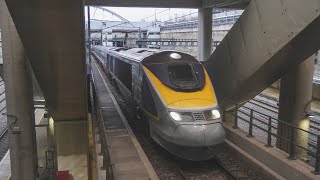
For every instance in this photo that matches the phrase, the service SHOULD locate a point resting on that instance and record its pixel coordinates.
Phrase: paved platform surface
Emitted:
(5, 168)
(126, 154)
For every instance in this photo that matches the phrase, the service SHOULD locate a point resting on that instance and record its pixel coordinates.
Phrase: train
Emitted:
(174, 94)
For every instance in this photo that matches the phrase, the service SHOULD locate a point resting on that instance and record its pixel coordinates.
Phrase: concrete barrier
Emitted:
(270, 162)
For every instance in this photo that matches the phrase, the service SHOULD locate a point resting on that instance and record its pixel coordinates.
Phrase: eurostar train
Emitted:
(175, 94)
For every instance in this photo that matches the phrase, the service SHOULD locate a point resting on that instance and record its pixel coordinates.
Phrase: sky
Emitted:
(137, 14)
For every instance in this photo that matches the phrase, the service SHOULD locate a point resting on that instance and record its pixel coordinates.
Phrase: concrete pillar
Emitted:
(295, 97)
(204, 33)
(19, 103)
(51, 144)
(1, 60)
(71, 139)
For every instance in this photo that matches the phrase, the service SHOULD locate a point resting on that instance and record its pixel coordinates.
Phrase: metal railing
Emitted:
(269, 121)
(98, 123)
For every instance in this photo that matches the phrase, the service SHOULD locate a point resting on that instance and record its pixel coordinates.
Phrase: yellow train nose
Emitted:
(191, 103)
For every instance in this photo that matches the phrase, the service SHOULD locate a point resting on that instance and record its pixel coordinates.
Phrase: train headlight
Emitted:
(212, 114)
(181, 116)
(215, 114)
(176, 116)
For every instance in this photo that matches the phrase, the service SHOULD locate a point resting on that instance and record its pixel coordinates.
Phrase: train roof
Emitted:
(145, 55)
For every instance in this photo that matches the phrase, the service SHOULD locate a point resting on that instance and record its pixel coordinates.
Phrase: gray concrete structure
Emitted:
(52, 57)
(271, 162)
(1, 59)
(19, 104)
(295, 104)
(57, 58)
(269, 39)
(204, 33)
(258, 51)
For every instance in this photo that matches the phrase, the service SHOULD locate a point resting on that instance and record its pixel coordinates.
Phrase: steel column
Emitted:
(19, 102)
(204, 33)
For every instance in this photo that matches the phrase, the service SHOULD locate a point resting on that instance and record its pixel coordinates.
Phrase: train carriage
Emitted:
(175, 94)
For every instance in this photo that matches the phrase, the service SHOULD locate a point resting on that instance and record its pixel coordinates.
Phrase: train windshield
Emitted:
(182, 75)
(178, 71)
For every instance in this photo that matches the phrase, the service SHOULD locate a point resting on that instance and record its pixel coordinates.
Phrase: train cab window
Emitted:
(178, 71)
(182, 75)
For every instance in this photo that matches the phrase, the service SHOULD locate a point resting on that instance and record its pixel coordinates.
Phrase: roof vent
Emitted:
(120, 49)
(142, 51)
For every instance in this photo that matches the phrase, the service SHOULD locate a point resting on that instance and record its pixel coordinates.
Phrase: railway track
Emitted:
(200, 170)
(273, 110)
(4, 136)
(4, 146)
(268, 107)
(168, 166)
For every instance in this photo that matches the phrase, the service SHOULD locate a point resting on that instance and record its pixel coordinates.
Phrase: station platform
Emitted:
(123, 158)
(5, 167)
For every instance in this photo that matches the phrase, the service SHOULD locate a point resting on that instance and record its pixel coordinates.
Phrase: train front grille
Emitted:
(198, 116)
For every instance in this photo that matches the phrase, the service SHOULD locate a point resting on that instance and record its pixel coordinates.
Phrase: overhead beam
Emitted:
(238, 4)
(147, 3)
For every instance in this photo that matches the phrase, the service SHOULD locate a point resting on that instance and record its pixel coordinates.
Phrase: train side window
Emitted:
(123, 71)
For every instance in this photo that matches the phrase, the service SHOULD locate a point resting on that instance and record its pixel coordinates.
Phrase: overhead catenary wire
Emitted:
(169, 20)
(155, 14)
(95, 10)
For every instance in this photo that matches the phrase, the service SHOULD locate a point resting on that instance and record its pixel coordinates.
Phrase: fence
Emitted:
(269, 123)
(99, 124)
